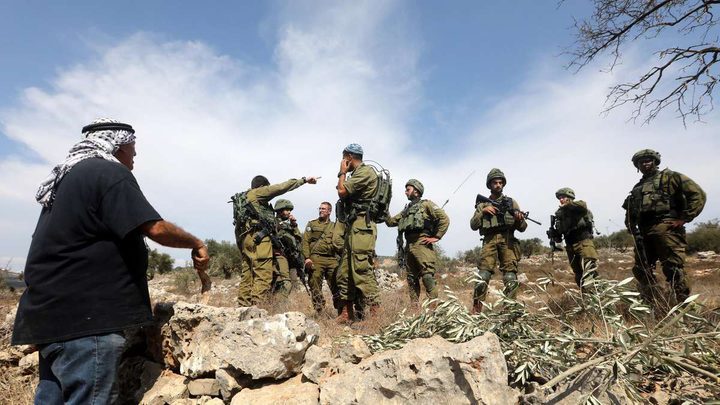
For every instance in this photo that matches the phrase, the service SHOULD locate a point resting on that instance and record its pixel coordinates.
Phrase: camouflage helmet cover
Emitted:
(495, 173)
(565, 191)
(283, 204)
(417, 185)
(645, 153)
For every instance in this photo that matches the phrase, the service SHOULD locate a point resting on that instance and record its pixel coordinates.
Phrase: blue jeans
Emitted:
(80, 371)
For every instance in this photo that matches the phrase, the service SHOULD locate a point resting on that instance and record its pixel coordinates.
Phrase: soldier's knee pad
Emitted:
(428, 281)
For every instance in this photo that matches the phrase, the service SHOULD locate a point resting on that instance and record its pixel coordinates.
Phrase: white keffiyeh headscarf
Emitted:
(95, 143)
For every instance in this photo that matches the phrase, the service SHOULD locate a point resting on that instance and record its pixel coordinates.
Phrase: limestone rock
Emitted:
(204, 400)
(204, 386)
(231, 382)
(166, 389)
(203, 339)
(290, 392)
(320, 364)
(353, 350)
(29, 363)
(430, 370)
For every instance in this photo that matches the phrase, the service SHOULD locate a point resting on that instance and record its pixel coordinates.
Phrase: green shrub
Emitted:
(705, 236)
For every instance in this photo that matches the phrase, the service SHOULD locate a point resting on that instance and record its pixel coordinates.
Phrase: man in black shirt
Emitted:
(85, 271)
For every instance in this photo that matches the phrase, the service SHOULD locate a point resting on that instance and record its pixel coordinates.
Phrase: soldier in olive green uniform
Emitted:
(256, 246)
(290, 256)
(657, 209)
(574, 223)
(499, 243)
(321, 259)
(423, 223)
(355, 236)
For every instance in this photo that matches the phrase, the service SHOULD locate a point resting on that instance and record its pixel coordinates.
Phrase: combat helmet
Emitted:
(417, 185)
(645, 153)
(495, 173)
(283, 204)
(565, 191)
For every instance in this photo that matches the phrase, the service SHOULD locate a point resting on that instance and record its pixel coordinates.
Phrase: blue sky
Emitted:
(221, 91)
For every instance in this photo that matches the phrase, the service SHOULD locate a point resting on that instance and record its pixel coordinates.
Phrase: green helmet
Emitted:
(565, 191)
(415, 183)
(645, 153)
(283, 204)
(495, 173)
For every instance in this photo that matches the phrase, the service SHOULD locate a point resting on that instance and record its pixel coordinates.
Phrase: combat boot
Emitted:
(477, 307)
(347, 315)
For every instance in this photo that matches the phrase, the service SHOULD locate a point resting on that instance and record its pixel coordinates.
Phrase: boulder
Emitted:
(231, 382)
(202, 339)
(198, 401)
(352, 350)
(168, 388)
(430, 370)
(29, 363)
(320, 364)
(204, 386)
(294, 391)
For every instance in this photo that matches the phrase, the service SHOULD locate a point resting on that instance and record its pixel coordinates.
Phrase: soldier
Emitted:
(289, 257)
(255, 229)
(574, 223)
(321, 260)
(497, 228)
(657, 209)
(423, 223)
(355, 235)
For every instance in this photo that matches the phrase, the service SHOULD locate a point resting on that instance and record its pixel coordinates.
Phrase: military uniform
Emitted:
(574, 224)
(356, 238)
(317, 246)
(290, 257)
(259, 259)
(418, 220)
(499, 244)
(661, 196)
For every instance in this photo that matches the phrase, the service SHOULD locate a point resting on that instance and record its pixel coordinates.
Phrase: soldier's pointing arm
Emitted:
(267, 193)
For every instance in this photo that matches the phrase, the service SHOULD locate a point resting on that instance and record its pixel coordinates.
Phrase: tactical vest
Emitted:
(572, 226)
(499, 222)
(650, 199)
(246, 215)
(413, 219)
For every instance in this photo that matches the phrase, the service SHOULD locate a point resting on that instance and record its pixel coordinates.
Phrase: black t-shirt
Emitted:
(85, 272)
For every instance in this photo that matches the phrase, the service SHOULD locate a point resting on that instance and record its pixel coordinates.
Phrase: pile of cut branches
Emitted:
(609, 332)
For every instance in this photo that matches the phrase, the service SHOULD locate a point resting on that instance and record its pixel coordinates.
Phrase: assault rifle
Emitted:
(504, 206)
(554, 237)
(293, 255)
(400, 250)
(639, 245)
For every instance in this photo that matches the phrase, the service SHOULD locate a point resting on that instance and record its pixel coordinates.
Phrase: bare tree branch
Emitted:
(683, 76)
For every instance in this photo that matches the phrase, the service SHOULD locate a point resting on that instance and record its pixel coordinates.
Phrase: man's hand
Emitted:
(201, 259)
(344, 166)
(311, 179)
(674, 223)
(308, 264)
(519, 216)
(490, 209)
(292, 220)
(428, 240)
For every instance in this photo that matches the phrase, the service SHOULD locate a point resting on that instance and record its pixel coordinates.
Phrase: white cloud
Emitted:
(208, 123)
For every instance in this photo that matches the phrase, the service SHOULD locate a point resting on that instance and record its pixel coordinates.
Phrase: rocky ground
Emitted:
(206, 350)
